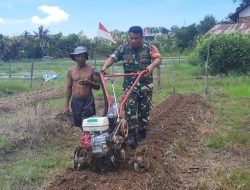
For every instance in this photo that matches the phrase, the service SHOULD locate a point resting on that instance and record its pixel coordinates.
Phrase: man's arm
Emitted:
(96, 83)
(68, 91)
(109, 62)
(156, 62)
(156, 57)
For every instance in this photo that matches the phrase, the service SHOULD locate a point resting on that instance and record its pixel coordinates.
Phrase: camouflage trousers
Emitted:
(137, 109)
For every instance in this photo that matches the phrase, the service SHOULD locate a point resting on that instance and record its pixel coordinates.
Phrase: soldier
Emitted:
(81, 80)
(136, 56)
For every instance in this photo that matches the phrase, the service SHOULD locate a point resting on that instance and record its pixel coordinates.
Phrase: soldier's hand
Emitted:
(150, 70)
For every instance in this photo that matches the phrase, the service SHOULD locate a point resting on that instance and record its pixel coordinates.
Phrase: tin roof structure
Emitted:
(243, 28)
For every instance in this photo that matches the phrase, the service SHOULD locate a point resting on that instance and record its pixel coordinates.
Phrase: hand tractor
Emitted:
(104, 139)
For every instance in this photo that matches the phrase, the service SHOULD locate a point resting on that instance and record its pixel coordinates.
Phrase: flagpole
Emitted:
(95, 51)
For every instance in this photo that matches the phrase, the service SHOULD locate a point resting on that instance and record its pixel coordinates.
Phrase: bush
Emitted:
(227, 53)
(194, 59)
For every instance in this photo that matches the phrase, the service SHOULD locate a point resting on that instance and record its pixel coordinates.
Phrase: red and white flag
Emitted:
(104, 33)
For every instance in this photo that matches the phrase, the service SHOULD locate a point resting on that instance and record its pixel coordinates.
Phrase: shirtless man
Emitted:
(81, 80)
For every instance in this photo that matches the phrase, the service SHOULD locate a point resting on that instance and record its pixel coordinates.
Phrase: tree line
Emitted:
(175, 40)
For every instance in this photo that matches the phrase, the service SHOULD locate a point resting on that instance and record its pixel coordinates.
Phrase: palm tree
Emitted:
(42, 37)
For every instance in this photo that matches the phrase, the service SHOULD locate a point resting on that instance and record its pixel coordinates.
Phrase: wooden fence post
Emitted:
(174, 78)
(158, 77)
(9, 70)
(31, 73)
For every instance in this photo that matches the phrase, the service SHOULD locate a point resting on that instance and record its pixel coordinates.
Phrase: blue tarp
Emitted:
(51, 75)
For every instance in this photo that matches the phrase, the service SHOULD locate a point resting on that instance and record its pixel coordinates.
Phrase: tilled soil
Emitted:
(168, 122)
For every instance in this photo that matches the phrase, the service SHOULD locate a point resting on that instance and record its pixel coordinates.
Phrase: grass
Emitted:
(232, 109)
(55, 104)
(5, 144)
(232, 179)
(183, 81)
(60, 66)
(21, 86)
(9, 87)
(6, 121)
(220, 140)
(33, 167)
(233, 86)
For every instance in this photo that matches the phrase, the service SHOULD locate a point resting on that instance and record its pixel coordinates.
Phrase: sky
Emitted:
(75, 16)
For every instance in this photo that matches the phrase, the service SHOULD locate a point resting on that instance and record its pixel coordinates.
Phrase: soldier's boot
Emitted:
(142, 133)
(132, 139)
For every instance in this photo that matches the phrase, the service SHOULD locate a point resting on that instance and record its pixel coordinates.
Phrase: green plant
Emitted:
(194, 59)
(5, 144)
(227, 53)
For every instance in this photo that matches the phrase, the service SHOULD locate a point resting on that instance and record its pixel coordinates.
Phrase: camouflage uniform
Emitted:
(138, 105)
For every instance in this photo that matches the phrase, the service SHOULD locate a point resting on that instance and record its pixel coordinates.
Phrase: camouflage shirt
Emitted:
(136, 59)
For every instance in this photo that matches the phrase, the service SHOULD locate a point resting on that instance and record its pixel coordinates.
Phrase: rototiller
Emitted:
(104, 139)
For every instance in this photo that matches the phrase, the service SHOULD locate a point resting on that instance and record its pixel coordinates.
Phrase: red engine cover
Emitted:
(86, 140)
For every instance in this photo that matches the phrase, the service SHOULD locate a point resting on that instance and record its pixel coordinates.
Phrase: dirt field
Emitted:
(173, 122)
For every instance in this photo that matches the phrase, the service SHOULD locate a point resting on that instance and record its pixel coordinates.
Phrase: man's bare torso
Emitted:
(80, 74)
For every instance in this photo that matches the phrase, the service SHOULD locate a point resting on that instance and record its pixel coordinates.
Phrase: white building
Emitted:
(242, 15)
